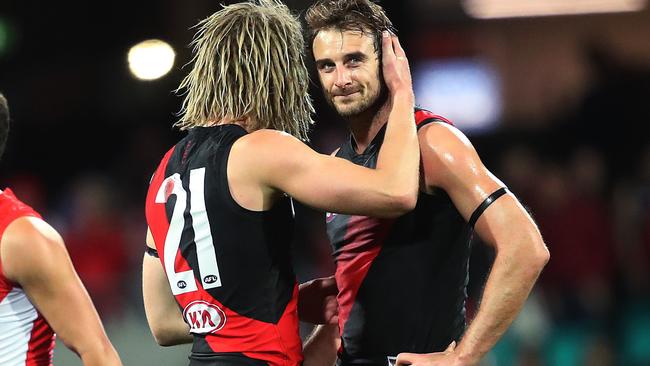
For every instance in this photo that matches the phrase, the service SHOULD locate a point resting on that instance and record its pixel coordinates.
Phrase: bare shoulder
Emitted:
(30, 233)
(447, 155)
(256, 160)
(266, 138)
(28, 243)
(266, 146)
(442, 138)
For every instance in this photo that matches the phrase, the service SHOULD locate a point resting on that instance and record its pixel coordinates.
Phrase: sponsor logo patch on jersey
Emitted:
(203, 317)
(210, 279)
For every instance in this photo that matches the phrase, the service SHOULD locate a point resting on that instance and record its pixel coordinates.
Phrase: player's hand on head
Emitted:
(396, 71)
(447, 357)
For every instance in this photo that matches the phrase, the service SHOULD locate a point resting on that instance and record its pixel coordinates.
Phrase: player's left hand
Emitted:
(395, 66)
(447, 357)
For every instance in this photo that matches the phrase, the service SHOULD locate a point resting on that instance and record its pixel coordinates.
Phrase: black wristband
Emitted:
(151, 251)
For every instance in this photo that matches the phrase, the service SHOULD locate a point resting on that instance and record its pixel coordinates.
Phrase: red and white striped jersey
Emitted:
(25, 337)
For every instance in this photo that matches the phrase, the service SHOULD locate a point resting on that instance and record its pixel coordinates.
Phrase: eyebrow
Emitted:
(323, 61)
(360, 55)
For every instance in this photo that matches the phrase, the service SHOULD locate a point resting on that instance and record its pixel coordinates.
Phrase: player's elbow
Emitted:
(92, 348)
(524, 252)
(541, 254)
(164, 338)
(406, 202)
(402, 202)
(535, 255)
(165, 342)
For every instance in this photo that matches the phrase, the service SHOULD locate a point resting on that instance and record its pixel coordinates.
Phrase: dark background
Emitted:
(570, 142)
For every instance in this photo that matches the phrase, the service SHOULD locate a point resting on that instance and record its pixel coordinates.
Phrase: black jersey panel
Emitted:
(252, 248)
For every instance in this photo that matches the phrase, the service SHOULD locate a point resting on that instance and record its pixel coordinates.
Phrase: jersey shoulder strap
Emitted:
(423, 117)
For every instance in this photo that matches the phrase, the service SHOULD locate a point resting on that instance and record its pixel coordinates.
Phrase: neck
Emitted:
(365, 126)
(243, 122)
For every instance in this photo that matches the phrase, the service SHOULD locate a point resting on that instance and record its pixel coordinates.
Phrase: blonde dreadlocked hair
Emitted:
(248, 63)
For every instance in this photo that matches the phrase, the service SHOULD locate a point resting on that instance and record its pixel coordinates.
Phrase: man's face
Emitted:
(348, 69)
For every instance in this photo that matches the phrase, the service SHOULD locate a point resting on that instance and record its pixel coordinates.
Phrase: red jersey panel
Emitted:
(25, 337)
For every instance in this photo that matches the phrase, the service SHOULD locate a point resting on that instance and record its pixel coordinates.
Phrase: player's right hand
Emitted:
(447, 357)
(317, 302)
(396, 71)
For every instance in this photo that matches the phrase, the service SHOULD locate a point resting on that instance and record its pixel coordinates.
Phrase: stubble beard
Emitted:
(367, 103)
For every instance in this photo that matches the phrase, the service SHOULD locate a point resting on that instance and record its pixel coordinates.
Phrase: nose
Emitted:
(342, 78)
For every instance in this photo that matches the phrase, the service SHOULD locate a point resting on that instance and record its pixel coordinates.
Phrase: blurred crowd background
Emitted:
(557, 106)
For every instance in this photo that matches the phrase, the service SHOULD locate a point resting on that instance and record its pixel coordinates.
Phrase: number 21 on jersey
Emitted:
(183, 282)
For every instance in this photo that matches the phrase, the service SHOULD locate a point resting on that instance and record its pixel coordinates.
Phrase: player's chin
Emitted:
(346, 110)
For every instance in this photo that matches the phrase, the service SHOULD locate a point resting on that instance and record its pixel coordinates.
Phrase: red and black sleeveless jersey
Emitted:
(401, 281)
(229, 268)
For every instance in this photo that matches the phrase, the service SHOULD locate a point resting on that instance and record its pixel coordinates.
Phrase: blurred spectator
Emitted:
(599, 352)
(29, 186)
(96, 244)
(519, 169)
(529, 357)
(575, 222)
(632, 223)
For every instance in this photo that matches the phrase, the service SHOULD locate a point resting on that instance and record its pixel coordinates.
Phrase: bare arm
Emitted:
(34, 255)
(163, 315)
(321, 346)
(270, 161)
(450, 162)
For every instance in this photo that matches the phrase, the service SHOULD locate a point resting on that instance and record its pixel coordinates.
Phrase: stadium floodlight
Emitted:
(487, 9)
(466, 90)
(151, 59)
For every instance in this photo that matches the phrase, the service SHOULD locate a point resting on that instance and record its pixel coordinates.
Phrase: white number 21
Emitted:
(182, 282)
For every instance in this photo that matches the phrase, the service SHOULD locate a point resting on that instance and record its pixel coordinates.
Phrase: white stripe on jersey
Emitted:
(17, 316)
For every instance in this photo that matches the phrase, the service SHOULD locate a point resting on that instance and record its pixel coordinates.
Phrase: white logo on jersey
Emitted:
(329, 216)
(204, 317)
(184, 281)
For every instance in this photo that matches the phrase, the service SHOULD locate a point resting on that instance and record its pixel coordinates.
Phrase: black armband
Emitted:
(485, 204)
(151, 251)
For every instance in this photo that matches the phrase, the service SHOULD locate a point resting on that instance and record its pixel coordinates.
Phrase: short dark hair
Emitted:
(363, 16)
(4, 123)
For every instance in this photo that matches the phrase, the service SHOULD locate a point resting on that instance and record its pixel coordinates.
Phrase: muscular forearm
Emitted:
(172, 336)
(163, 314)
(509, 283)
(400, 153)
(400, 145)
(103, 354)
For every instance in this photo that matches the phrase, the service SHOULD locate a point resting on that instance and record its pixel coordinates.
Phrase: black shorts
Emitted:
(224, 359)
(362, 362)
